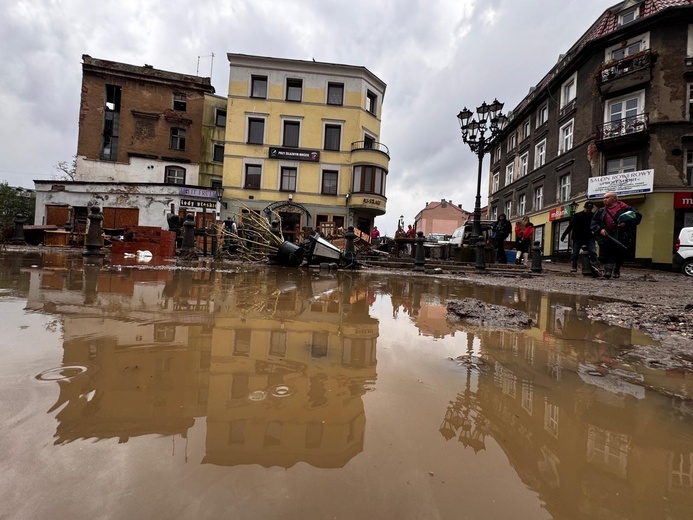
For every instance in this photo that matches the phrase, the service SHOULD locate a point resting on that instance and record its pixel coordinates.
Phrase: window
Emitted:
(521, 204)
(497, 154)
(294, 89)
(540, 154)
(569, 90)
(253, 175)
(335, 93)
(525, 129)
(333, 136)
(629, 16)
(372, 103)
(277, 344)
(258, 87)
(508, 208)
(509, 174)
(218, 153)
(512, 142)
(174, 175)
(179, 102)
(622, 165)
(292, 130)
(111, 123)
(368, 142)
(256, 131)
(494, 213)
(564, 188)
(565, 137)
(627, 48)
(542, 115)
(538, 198)
(329, 182)
(288, 179)
(524, 163)
(369, 179)
(177, 139)
(220, 118)
(496, 182)
(622, 114)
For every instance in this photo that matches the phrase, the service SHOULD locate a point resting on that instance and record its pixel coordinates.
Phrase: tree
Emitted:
(13, 202)
(66, 172)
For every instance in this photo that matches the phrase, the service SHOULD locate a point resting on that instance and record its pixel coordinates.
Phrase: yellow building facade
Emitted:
(303, 140)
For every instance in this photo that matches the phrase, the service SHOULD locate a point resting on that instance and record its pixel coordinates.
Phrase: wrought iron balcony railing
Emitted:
(626, 126)
(617, 69)
(370, 145)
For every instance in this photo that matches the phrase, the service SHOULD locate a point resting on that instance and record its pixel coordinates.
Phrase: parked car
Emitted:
(461, 236)
(683, 252)
(438, 238)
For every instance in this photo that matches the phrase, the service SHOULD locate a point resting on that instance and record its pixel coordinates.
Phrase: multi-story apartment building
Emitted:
(440, 217)
(303, 140)
(213, 138)
(614, 114)
(139, 148)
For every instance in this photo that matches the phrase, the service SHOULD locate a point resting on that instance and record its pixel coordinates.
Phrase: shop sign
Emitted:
(621, 183)
(294, 154)
(683, 200)
(371, 202)
(560, 212)
(189, 203)
(196, 192)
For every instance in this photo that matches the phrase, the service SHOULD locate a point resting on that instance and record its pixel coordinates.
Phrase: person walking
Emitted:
(524, 232)
(500, 231)
(614, 226)
(582, 236)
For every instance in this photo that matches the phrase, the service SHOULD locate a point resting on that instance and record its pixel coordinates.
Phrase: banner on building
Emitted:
(294, 154)
(196, 192)
(630, 183)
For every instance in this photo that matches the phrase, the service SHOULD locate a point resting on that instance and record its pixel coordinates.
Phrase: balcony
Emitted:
(371, 146)
(626, 130)
(627, 72)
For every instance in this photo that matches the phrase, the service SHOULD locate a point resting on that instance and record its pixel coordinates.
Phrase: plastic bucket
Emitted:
(289, 254)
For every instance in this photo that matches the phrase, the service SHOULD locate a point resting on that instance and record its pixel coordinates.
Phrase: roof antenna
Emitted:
(197, 73)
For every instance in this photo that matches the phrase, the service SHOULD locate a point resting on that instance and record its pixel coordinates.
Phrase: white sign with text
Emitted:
(621, 183)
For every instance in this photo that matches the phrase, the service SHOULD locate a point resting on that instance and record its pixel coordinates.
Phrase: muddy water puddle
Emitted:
(158, 392)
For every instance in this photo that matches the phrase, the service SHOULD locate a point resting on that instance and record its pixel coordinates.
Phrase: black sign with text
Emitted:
(294, 154)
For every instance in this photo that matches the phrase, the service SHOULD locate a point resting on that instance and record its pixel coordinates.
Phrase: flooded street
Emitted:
(256, 393)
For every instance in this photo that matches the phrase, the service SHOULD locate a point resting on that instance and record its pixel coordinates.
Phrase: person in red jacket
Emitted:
(524, 234)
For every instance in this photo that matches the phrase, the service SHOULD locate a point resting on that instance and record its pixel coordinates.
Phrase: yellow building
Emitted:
(303, 139)
(213, 135)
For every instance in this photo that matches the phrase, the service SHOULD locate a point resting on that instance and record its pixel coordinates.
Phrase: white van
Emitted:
(462, 234)
(683, 252)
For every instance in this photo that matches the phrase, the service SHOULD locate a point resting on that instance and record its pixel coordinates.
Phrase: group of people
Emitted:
(611, 226)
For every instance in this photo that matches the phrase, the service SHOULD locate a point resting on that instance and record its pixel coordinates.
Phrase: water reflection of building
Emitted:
(288, 373)
(276, 360)
(591, 446)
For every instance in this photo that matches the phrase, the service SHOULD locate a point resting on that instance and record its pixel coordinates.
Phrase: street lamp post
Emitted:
(480, 135)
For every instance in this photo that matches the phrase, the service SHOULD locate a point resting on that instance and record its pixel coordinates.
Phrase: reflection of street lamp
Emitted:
(488, 118)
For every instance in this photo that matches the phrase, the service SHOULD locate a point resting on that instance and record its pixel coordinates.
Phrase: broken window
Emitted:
(111, 123)
(177, 139)
(179, 102)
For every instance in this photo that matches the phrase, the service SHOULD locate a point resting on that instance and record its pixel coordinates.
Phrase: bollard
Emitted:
(18, 235)
(188, 234)
(94, 241)
(585, 263)
(349, 249)
(536, 258)
(420, 257)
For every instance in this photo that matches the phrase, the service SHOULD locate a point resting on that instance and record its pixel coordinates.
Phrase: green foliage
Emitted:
(11, 203)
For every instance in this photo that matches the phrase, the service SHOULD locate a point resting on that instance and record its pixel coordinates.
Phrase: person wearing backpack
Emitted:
(614, 227)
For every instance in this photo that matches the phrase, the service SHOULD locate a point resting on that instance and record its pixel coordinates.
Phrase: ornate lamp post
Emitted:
(480, 135)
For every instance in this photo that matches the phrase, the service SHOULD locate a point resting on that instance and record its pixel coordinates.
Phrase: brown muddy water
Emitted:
(262, 393)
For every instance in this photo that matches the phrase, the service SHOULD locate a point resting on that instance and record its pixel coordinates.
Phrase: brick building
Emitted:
(614, 114)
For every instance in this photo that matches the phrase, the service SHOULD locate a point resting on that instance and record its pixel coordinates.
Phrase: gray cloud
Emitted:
(435, 56)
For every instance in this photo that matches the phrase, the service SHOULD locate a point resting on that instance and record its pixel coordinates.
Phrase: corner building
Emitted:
(619, 102)
(303, 139)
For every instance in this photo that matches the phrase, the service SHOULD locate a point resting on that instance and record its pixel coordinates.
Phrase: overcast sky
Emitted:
(435, 56)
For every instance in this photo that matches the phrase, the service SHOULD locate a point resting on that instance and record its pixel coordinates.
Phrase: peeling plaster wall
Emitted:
(139, 170)
(153, 202)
